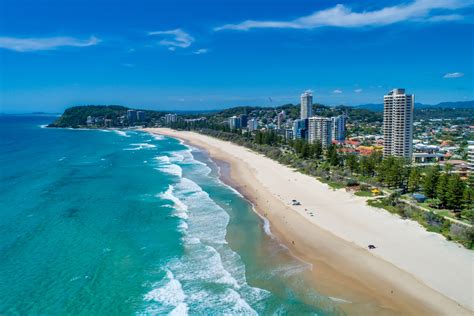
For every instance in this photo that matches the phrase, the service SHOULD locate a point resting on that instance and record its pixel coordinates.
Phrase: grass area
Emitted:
(336, 185)
(364, 193)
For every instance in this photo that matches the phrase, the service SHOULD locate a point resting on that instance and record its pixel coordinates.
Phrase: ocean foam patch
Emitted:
(165, 165)
(121, 133)
(140, 146)
(168, 293)
(179, 206)
(158, 137)
(207, 259)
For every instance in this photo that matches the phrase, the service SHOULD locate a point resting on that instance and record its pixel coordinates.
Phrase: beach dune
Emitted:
(411, 271)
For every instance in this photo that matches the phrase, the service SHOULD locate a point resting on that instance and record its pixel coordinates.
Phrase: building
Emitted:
(140, 116)
(234, 122)
(243, 120)
(89, 121)
(280, 119)
(170, 118)
(131, 116)
(398, 124)
(252, 124)
(470, 156)
(306, 105)
(108, 123)
(338, 128)
(320, 129)
(288, 134)
(300, 129)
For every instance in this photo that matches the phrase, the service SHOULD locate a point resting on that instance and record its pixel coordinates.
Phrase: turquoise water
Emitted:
(123, 222)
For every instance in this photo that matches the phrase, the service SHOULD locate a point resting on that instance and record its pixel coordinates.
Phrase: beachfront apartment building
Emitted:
(131, 116)
(300, 129)
(170, 118)
(320, 129)
(306, 102)
(280, 119)
(470, 156)
(398, 124)
(338, 128)
(252, 124)
(243, 120)
(141, 116)
(234, 122)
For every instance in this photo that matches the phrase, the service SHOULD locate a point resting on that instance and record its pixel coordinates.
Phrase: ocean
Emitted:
(104, 222)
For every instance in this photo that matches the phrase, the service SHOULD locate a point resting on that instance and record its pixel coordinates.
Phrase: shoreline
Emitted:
(342, 267)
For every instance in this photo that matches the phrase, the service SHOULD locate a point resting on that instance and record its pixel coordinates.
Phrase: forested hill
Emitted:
(77, 116)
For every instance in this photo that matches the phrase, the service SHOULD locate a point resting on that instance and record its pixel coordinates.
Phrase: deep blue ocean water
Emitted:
(122, 222)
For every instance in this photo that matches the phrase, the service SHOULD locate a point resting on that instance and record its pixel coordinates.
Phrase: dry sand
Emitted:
(411, 271)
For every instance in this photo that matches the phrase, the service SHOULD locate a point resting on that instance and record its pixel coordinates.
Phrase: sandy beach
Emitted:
(411, 272)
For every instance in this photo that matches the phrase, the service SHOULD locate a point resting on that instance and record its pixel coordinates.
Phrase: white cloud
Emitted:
(451, 75)
(337, 91)
(358, 90)
(46, 43)
(174, 38)
(343, 16)
(201, 51)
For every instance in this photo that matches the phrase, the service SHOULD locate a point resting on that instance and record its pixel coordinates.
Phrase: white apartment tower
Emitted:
(470, 156)
(320, 128)
(398, 124)
(280, 119)
(306, 105)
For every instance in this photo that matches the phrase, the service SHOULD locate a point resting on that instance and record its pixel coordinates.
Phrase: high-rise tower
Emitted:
(306, 105)
(398, 124)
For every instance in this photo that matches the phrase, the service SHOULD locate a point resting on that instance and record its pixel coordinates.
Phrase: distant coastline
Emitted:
(340, 268)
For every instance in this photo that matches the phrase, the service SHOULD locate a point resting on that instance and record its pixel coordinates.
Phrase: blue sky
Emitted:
(184, 54)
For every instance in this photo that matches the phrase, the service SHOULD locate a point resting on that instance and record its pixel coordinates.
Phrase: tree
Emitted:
(442, 189)
(392, 172)
(430, 181)
(318, 149)
(455, 192)
(332, 156)
(305, 150)
(352, 163)
(468, 197)
(414, 180)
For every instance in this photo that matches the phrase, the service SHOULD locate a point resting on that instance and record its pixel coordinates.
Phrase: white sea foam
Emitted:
(181, 309)
(144, 145)
(168, 293)
(140, 146)
(158, 137)
(165, 165)
(339, 300)
(266, 227)
(179, 206)
(121, 133)
(207, 259)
